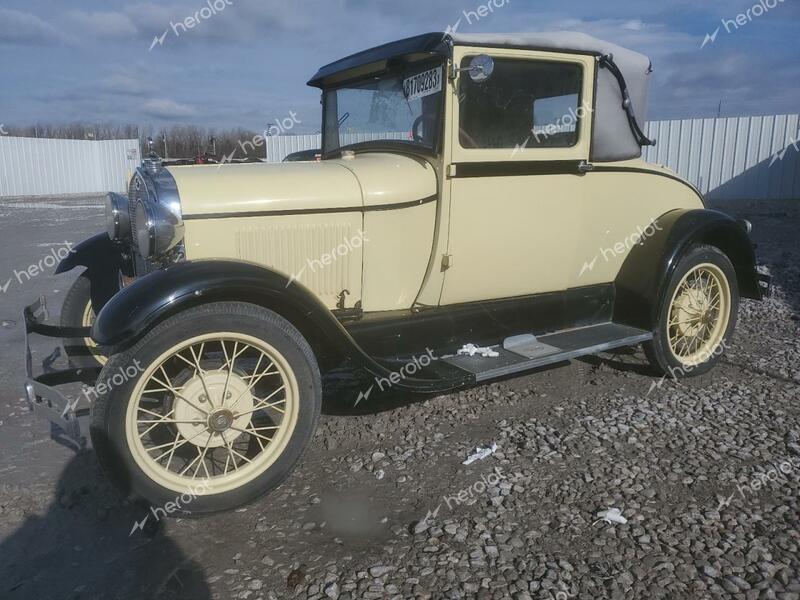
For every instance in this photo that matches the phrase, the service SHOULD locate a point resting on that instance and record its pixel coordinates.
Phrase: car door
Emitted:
(517, 141)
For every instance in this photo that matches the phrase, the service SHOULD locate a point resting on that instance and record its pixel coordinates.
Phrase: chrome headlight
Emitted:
(158, 229)
(118, 219)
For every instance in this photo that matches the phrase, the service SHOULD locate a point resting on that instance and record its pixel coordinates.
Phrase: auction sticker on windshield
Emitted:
(423, 84)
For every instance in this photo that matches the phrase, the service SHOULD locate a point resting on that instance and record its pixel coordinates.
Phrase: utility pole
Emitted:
(164, 139)
(719, 109)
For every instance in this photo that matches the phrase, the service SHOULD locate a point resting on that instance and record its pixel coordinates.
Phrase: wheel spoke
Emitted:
(185, 441)
(253, 383)
(154, 423)
(178, 394)
(230, 366)
(201, 372)
(253, 433)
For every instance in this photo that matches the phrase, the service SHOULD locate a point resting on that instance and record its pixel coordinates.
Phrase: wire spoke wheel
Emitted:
(212, 413)
(699, 314)
(87, 320)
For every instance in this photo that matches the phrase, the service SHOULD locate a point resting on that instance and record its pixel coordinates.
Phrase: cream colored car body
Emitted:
(385, 232)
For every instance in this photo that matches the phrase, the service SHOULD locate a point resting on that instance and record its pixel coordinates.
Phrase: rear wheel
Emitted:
(699, 315)
(216, 408)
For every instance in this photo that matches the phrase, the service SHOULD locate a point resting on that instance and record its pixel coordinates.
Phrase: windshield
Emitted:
(404, 107)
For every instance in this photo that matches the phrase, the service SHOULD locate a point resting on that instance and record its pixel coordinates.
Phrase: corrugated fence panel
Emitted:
(727, 158)
(731, 158)
(43, 167)
(281, 146)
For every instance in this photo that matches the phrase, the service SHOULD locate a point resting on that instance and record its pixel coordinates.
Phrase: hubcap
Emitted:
(219, 407)
(699, 315)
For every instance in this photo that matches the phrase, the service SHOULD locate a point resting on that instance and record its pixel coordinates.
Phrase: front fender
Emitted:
(645, 275)
(162, 294)
(103, 261)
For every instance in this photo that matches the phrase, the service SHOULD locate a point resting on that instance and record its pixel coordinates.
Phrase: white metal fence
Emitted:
(729, 158)
(741, 157)
(281, 146)
(41, 167)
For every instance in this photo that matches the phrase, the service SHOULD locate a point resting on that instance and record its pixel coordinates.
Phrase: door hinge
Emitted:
(447, 262)
(452, 170)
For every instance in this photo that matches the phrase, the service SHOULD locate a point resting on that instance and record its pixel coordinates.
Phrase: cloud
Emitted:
(163, 108)
(17, 27)
(104, 24)
(124, 84)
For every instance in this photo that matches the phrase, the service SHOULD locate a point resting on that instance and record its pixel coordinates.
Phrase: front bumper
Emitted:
(47, 402)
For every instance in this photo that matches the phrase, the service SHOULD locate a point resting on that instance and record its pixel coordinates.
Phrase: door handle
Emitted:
(585, 167)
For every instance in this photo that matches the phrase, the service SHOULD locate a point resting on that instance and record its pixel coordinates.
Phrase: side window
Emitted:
(527, 103)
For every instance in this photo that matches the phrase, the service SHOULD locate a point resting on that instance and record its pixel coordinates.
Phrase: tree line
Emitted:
(182, 141)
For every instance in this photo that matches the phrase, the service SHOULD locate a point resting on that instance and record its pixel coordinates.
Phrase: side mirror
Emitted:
(481, 68)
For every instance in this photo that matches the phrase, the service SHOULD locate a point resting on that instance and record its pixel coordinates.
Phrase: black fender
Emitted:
(103, 261)
(148, 301)
(645, 275)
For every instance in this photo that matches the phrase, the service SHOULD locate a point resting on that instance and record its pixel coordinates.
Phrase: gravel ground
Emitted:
(706, 473)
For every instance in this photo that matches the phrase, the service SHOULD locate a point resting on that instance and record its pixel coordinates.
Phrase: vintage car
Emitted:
(516, 229)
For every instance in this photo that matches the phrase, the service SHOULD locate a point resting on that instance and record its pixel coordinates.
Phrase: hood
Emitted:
(369, 181)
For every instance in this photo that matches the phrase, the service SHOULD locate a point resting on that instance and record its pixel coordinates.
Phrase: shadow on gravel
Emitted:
(85, 546)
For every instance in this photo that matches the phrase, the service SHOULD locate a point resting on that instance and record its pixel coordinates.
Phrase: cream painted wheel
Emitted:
(77, 311)
(87, 320)
(218, 405)
(699, 314)
(212, 413)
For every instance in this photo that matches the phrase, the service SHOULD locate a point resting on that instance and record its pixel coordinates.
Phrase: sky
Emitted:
(246, 63)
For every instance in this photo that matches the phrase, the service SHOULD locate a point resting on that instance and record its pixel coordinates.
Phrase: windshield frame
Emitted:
(395, 68)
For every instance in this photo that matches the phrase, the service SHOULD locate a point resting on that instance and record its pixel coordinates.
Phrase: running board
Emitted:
(526, 352)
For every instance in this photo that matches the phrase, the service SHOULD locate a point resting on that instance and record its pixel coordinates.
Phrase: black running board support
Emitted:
(525, 353)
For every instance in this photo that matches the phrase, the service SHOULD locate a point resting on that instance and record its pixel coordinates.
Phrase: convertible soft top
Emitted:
(622, 81)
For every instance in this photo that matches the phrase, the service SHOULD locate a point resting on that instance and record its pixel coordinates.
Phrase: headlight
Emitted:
(158, 230)
(118, 219)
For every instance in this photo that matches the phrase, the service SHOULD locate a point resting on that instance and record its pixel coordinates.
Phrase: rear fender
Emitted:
(645, 275)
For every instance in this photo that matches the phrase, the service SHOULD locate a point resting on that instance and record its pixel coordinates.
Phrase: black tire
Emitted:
(108, 420)
(81, 354)
(658, 351)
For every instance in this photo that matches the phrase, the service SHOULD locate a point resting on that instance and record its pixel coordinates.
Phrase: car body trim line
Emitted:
(312, 211)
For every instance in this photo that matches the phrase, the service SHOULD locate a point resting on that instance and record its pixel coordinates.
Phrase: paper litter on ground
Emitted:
(610, 516)
(481, 453)
(472, 350)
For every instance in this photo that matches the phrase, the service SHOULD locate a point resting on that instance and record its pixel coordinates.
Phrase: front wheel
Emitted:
(209, 411)
(698, 317)
(77, 312)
